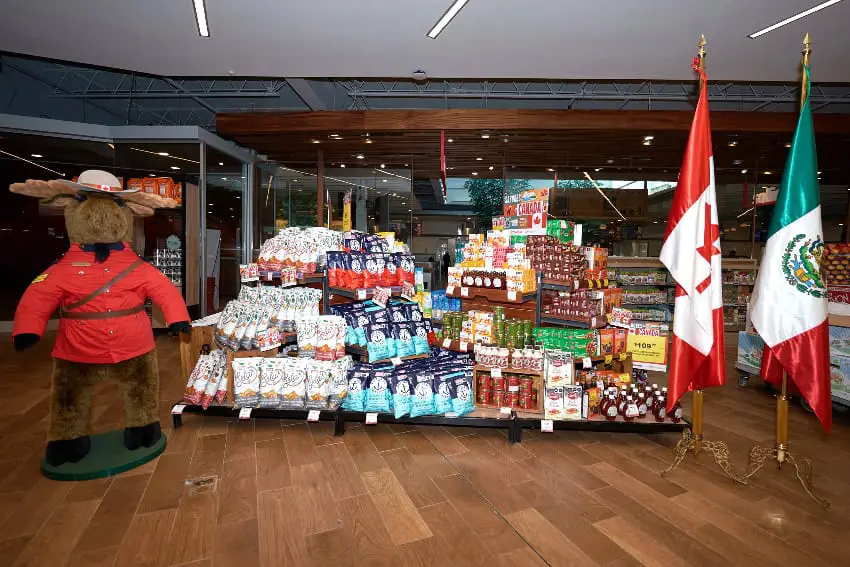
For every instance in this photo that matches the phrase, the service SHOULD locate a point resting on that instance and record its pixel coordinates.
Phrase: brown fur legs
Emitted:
(73, 385)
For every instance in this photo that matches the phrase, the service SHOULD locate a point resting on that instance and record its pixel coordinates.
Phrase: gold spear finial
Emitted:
(701, 52)
(807, 51)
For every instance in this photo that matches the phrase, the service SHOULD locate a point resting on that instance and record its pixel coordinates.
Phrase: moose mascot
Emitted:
(99, 286)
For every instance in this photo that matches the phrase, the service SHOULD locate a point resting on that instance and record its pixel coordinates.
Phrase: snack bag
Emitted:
(390, 271)
(400, 387)
(197, 381)
(246, 382)
(461, 391)
(341, 333)
(413, 312)
(318, 376)
(355, 271)
(271, 375)
(403, 337)
(378, 394)
(241, 326)
(372, 272)
(217, 368)
(338, 383)
(307, 330)
(357, 378)
(423, 395)
(442, 392)
(406, 269)
(225, 329)
(379, 341)
(293, 383)
(333, 259)
(397, 313)
(420, 338)
(326, 338)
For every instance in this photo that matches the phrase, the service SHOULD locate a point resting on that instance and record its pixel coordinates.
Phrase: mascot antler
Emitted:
(56, 193)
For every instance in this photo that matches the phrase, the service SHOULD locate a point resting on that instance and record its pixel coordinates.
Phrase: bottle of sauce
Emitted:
(488, 280)
(631, 410)
(479, 279)
(648, 393)
(609, 408)
(676, 414)
(642, 407)
(621, 401)
(659, 408)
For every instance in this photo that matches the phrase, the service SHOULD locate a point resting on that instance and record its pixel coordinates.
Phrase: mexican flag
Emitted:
(789, 304)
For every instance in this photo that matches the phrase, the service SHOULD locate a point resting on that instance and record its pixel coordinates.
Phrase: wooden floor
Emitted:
(289, 494)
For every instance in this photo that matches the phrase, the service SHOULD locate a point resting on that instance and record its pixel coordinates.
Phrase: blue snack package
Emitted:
(357, 377)
(404, 341)
(423, 395)
(413, 312)
(420, 338)
(397, 313)
(379, 341)
(378, 393)
(461, 388)
(442, 392)
(402, 400)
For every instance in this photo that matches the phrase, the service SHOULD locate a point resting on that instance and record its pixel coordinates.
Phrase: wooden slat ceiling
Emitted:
(566, 141)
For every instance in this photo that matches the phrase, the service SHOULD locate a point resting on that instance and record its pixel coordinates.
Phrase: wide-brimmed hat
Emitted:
(97, 181)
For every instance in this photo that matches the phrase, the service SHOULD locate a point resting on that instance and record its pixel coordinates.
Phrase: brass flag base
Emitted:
(693, 443)
(803, 467)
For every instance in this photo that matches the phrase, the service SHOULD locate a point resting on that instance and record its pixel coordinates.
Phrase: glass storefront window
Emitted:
(226, 180)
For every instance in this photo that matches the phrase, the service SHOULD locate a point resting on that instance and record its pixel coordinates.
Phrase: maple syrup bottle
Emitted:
(659, 409)
(676, 414)
(609, 408)
(642, 407)
(648, 393)
(631, 410)
(621, 401)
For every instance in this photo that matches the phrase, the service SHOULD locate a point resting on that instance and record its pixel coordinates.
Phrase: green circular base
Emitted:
(108, 456)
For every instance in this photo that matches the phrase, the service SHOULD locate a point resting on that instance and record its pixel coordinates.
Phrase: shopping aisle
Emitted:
(287, 494)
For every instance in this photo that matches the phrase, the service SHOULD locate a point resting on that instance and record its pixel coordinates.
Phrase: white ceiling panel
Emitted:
(568, 39)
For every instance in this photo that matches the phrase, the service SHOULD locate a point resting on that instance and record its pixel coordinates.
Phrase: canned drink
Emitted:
(526, 402)
(483, 397)
(513, 380)
(525, 384)
(498, 383)
(513, 399)
(497, 398)
(484, 381)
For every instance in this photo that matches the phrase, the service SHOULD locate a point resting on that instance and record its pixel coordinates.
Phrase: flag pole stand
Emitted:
(694, 442)
(780, 451)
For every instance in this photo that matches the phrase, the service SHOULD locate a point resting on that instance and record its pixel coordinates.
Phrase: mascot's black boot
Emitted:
(67, 451)
(145, 436)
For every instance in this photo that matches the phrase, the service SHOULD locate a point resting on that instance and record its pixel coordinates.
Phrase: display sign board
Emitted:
(648, 346)
(346, 212)
(525, 210)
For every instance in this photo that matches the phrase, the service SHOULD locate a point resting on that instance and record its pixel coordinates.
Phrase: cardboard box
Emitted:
(839, 341)
(839, 373)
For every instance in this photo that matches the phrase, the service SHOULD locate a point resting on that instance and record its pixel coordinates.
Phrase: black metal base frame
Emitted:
(513, 424)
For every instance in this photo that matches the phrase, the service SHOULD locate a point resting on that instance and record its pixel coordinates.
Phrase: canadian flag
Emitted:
(691, 252)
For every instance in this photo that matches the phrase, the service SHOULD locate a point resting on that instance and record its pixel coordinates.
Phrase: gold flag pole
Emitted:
(692, 440)
(780, 451)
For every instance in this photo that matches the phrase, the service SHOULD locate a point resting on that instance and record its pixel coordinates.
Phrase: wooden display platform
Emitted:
(557, 285)
(491, 295)
(537, 378)
(589, 323)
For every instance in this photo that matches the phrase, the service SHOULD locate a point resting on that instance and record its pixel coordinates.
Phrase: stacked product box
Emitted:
(839, 359)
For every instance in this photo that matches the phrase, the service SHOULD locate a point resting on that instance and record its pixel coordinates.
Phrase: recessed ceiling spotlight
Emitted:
(450, 140)
(648, 138)
(744, 171)
(315, 141)
(597, 169)
(111, 146)
(647, 142)
(384, 180)
(474, 173)
(479, 159)
(787, 144)
(405, 165)
(368, 140)
(551, 170)
(732, 143)
(654, 222)
(820, 172)
(334, 135)
(737, 161)
(221, 163)
(201, 18)
(610, 161)
(174, 167)
(342, 165)
(793, 18)
(768, 172)
(224, 179)
(37, 155)
(360, 156)
(450, 168)
(154, 175)
(491, 168)
(446, 18)
(485, 136)
(383, 165)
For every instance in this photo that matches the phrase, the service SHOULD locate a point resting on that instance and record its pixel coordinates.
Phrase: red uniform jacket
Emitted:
(99, 341)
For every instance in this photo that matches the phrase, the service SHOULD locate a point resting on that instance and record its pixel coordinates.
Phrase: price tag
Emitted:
(313, 415)
(623, 356)
(496, 372)
(381, 295)
(513, 388)
(463, 346)
(504, 412)
(450, 290)
(269, 276)
(245, 413)
(447, 343)
(512, 295)
(586, 362)
(450, 414)
(546, 425)
(576, 284)
(408, 291)
(464, 292)
(476, 347)
(178, 409)
(371, 418)
(361, 294)
(600, 385)
(608, 359)
(395, 360)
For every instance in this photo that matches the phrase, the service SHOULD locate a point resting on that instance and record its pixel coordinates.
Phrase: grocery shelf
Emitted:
(584, 324)
(362, 293)
(493, 295)
(601, 424)
(363, 353)
(455, 345)
(509, 370)
(557, 285)
(229, 411)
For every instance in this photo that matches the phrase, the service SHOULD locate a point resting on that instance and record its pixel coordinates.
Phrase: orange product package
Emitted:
(620, 336)
(606, 341)
(135, 184)
(150, 185)
(178, 192)
(164, 187)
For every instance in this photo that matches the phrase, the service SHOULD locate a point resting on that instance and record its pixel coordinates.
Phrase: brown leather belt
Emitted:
(101, 314)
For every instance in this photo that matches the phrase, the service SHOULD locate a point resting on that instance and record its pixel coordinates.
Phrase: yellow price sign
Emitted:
(648, 349)
(623, 356)
(608, 359)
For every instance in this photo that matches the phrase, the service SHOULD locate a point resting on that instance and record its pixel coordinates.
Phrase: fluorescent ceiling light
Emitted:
(201, 18)
(474, 173)
(161, 153)
(221, 163)
(447, 17)
(360, 156)
(165, 154)
(32, 163)
(794, 18)
(37, 155)
(174, 167)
